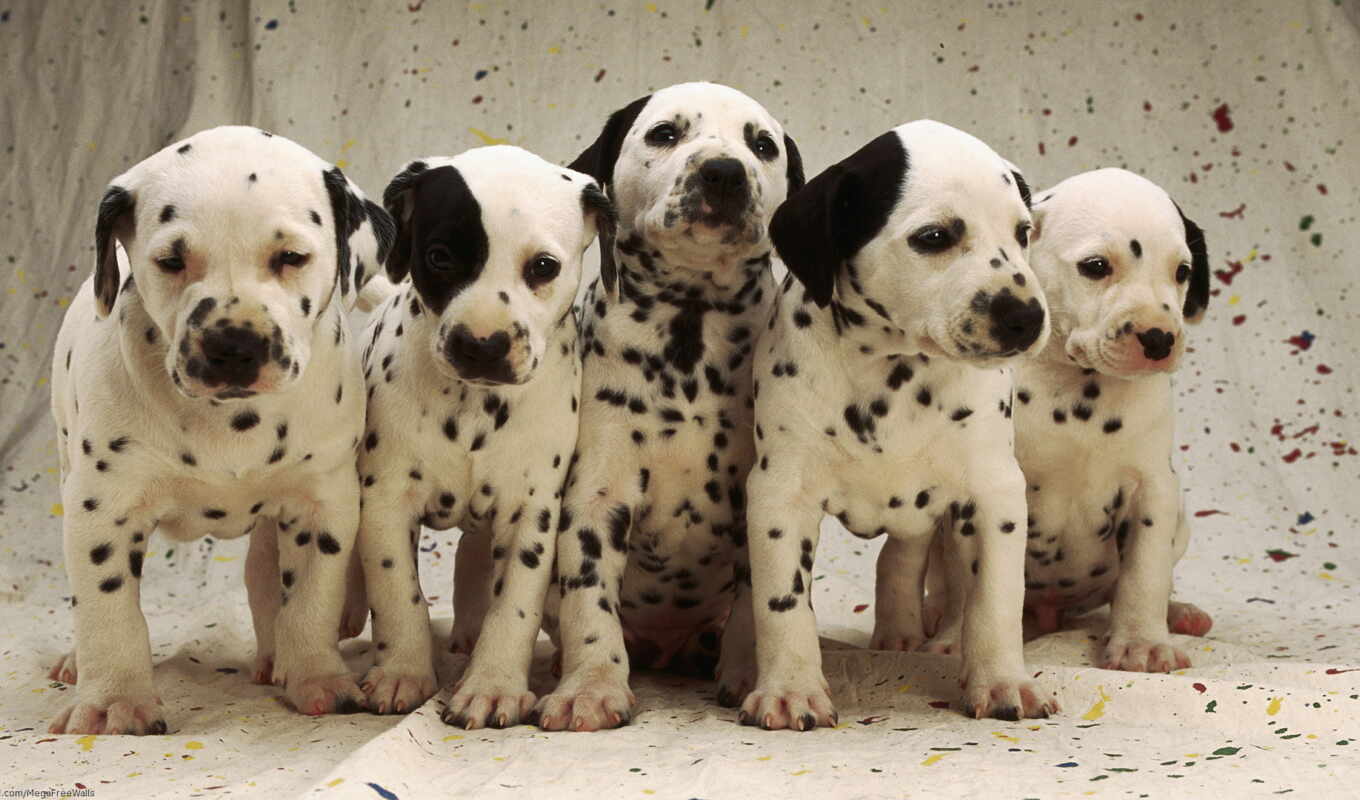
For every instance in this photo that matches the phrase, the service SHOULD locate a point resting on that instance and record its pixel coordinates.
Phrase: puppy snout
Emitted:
(724, 181)
(1016, 324)
(1157, 343)
(233, 355)
(468, 347)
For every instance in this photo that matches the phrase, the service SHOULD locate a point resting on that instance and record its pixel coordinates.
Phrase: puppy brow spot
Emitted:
(316, 218)
(167, 214)
(996, 263)
(1136, 248)
(184, 149)
(1019, 279)
(251, 178)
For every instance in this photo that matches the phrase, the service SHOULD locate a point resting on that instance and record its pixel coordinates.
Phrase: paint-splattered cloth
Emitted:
(1244, 111)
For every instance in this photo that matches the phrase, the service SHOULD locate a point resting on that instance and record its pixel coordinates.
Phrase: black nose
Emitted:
(1015, 323)
(1157, 343)
(464, 347)
(232, 355)
(724, 179)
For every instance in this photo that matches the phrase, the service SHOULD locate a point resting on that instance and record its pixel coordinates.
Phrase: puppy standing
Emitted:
(653, 531)
(473, 379)
(191, 410)
(1124, 271)
(881, 399)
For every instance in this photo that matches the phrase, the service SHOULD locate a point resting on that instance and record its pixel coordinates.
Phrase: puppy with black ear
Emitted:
(1124, 272)
(884, 399)
(472, 379)
(651, 549)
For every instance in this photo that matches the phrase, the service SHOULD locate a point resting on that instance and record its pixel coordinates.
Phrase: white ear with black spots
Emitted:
(114, 220)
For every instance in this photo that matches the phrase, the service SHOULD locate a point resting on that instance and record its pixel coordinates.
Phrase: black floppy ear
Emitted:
(794, 173)
(827, 222)
(347, 211)
(397, 201)
(1197, 295)
(115, 218)
(597, 161)
(601, 211)
(1023, 187)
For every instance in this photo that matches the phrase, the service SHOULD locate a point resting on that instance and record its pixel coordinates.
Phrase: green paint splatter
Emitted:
(1209, 709)
(1227, 751)
(1328, 565)
(1306, 222)
(1316, 239)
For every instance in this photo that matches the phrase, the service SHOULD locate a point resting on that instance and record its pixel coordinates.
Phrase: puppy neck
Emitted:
(644, 272)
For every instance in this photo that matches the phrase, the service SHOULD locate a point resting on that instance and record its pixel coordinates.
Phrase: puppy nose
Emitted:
(1015, 323)
(1157, 343)
(234, 354)
(723, 177)
(479, 349)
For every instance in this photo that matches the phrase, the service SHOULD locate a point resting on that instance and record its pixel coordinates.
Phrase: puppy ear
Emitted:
(363, 234)
(1023, 187)
(1197, 295)
(397, 201)
(1037, 213)
(347, 212)
(794, 173)
(115, 218)
(597, 161)
(600, 210)
(827, 222)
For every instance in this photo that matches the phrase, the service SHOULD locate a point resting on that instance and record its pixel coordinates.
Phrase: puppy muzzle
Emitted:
(482, 360)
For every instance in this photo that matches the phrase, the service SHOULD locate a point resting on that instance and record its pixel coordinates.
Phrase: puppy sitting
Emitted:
(472, 378)
(882, 399)
(185, 389)
(1124, 271)
(653, 532)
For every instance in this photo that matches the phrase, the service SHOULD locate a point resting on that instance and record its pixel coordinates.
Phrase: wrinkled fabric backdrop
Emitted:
(1245, 111)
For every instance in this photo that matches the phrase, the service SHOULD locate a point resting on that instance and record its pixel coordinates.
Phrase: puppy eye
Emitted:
(931, 239)
(1022, 233)
(663, 135)
(170, 264)
(1182, 273)
(289, 258)
(1094, 268)
(439, 257)
(541, 269)
(765, 148)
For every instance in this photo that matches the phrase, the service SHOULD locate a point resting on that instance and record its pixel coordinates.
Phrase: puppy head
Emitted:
(493, 240)
(237, 241)
(1123, 269)
(927, 227)
(696, 170)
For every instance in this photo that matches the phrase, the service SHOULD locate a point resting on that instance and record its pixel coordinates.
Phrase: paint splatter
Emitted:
(1222, 119)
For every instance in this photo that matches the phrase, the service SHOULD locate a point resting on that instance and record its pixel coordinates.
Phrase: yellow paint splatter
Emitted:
(1098, 709)
(1234, 300)
(193, 745)
(1000, 735)
(341, 163)
(649, 791)
(86, 742)
(335, 783)
(57, 510)
(347, 145)
(1326, 576)
(932, 760)
(744, 31)
(1252, 255)
(800, 772)
(1273, 707)
(651, 7)
(906, 687)
(554, 50)
(764, 758)
(487, 138)
(224, 559)
(1244, 560)
(452, 737)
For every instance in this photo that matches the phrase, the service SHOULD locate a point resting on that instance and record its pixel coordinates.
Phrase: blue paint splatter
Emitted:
(1306, 518)
(1066, 764)
(481, 73)
(271, 25)
(4, 16)
(383, 793)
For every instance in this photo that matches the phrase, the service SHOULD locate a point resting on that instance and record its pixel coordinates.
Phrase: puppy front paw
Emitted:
(1188, 619)
(325, 694)
(64, 670)
(1142, 654)
(1009, 697)
(799, 705)
(484, 701)
(893, 636)
(136, 715)
(590, 703)
(395, 691)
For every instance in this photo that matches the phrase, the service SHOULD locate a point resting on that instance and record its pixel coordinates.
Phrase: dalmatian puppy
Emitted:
(883, 398)
(473, 382)
(1124, 271)
(651, 543)
(185, 387)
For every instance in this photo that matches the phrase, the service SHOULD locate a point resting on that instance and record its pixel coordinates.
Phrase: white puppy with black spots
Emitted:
(1124, 271)
(651, 550)
(473, 377)
(185, 386)
(884, 399)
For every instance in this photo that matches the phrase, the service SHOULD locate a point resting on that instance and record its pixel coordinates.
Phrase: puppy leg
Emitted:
(898, 588)
(1138, 639)
(995, 683)
(736, 671)
(592, 551)
(951, 560)
(314, 555)
(494, 690)
(104, 554)
(262, 589)
(355, 616)
(472, 580)
(402, 676)
(790, 690)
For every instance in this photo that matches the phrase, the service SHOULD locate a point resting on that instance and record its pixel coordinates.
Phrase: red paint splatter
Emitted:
(599, 76)
(1303, 341)
(1239, 319)
(859, 609)
(1281, 555)
(1048, 112)
(1147, 106)
(1236, 213)
(939, 704)
(1227, 275)
(1308, 431)
(1323, 369)
(476, 100)
(1289, 166)
(1199, 687)
(1138, 17)
(1221, 117)
(1209, 512)
(1041, 148)
(973, 68)
(1292, 456)
(1322, 188)
(1335, 671)
(414, 7)
(1194, 178)
(1071, 141)
(1236, 448)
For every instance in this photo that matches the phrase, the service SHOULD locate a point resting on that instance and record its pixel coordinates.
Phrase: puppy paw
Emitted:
(136, 715)
(1188, 619)
(895, 637)
(330, 694)
(64, 670)
(1010, 699)
(464, 639)
(487, 702)
(944, 643)
(593, 703)
(795, 705)
(393, 691)
(263, 671)
(1135, 654)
